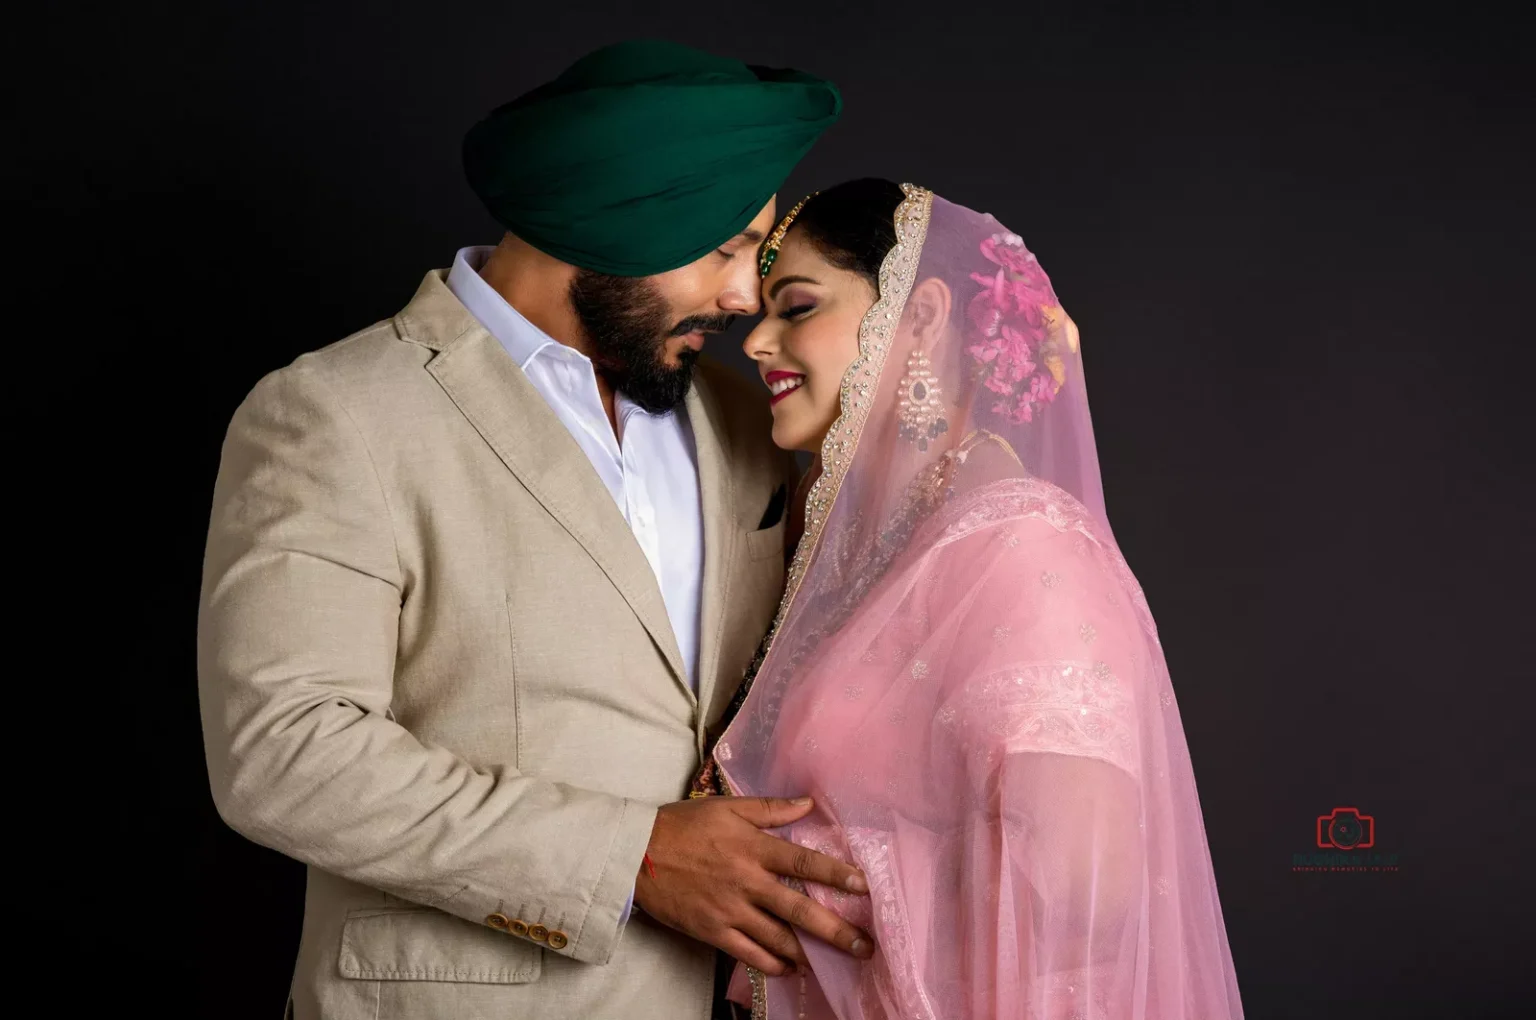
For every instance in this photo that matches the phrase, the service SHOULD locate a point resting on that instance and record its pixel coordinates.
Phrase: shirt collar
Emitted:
(522, 339)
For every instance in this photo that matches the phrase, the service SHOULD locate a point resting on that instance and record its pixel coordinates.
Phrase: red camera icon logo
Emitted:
(1345, 828)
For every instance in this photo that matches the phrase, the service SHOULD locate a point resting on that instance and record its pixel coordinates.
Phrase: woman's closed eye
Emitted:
(795, 311)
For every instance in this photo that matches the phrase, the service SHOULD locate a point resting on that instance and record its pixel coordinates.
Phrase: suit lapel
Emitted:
(503, 406)
(715, 491)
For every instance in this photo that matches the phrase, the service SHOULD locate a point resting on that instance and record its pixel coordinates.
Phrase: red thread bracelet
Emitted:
(649, 867)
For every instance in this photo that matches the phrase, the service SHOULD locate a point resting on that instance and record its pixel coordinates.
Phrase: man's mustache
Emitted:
(703, 324)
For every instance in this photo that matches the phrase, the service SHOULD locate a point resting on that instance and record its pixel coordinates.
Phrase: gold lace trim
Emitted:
(897, 274)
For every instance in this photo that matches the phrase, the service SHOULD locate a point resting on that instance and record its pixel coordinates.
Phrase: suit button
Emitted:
(498, 921)
(519, 928)
(538, 933)
(557, 940)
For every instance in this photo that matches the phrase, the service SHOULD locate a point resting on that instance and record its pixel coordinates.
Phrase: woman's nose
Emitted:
(759, 343)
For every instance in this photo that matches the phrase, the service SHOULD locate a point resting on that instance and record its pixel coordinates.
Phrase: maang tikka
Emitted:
(919, 412)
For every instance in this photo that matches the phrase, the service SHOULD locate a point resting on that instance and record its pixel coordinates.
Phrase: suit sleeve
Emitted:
(297, 635)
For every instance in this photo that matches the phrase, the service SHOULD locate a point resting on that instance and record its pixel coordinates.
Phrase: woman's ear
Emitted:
(928, 305)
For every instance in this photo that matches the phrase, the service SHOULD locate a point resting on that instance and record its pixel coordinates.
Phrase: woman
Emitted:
(963, 673)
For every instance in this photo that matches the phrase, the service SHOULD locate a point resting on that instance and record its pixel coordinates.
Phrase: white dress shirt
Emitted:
(650, 467)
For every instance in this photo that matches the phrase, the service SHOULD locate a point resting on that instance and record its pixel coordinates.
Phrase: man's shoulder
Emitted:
(381, 360)
(373, 378)
(430, 321)
(371, 346)
(367, 361)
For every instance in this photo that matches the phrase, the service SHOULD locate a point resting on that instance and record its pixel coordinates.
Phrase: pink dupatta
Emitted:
(965, 675)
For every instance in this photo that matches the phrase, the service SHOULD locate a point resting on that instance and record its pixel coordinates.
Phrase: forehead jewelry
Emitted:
(770, 250)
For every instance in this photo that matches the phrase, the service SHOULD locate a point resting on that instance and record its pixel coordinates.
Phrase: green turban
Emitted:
(644, 156)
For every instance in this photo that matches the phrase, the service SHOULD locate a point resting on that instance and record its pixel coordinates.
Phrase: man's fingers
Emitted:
(753, 955)
(808, 915)
(771, 812)
(751, 913)
(785, 858)
(773, 935)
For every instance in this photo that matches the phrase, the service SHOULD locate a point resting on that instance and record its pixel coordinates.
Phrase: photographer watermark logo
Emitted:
(1346, 842)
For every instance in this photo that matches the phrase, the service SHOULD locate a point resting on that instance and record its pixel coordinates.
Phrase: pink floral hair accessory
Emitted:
(1018, 328)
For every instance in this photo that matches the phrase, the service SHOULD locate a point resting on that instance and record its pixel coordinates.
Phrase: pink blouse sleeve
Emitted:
(1043, 703)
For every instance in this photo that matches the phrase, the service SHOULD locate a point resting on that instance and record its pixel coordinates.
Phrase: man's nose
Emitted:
(742, 292)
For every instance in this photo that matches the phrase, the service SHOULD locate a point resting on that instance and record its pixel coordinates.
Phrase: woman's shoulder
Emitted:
(1021, 506)
(1023, 523)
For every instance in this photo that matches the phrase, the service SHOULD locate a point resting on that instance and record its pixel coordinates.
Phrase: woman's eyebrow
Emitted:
(785, 281)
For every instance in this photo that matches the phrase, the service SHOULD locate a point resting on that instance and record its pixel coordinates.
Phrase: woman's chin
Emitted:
(786, 444)
(788, 437)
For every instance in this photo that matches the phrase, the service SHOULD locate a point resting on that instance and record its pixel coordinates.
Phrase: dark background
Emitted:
(1298, 248)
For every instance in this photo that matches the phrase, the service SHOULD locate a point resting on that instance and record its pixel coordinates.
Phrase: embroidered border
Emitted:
(897, 274)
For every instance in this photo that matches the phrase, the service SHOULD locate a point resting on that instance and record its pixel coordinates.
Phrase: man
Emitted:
(479, 577)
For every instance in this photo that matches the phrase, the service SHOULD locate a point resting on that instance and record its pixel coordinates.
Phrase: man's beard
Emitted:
(626, 321)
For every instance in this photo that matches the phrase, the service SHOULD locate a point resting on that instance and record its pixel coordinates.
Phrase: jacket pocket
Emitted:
(766, 542)
(392, 944)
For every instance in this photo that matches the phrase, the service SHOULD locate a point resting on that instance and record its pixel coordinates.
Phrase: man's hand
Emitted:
(716, 879)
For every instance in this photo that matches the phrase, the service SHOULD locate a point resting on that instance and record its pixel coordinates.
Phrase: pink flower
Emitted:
(1027, 281)
(997, 384)
(1008, 251)
(1029, 303)
(982, 352)
(1016, 346)
(1011, 317)
(1018, 413)
(999, 285)
(987, 321)
(984, 314)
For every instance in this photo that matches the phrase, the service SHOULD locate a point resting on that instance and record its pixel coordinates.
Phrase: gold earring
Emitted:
(919, 413)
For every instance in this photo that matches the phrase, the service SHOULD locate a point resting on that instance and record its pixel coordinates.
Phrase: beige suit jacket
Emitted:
(436, 667)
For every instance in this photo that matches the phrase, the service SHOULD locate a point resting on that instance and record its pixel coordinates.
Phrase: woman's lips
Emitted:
(782, 384)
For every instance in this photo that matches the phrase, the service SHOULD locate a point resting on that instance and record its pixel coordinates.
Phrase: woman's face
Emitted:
(808, 337)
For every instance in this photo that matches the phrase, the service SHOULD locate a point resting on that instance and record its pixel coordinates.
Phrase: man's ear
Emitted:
(928, 310)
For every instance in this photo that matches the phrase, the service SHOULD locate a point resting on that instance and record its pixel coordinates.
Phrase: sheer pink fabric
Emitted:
(966, 677)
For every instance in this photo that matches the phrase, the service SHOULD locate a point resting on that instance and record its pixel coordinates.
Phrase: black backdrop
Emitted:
(1298, 250)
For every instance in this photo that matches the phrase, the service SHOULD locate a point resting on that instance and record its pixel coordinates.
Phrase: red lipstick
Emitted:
(775, 377)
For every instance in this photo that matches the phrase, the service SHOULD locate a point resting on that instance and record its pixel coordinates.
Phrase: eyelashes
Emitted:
(789, 314)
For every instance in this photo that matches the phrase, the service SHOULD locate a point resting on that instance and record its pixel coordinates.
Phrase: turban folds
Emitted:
(644, 156)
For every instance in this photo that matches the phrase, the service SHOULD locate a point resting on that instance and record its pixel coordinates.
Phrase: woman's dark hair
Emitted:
(853, 224)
